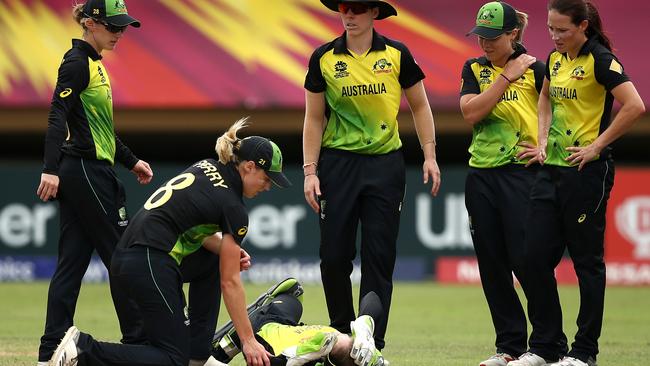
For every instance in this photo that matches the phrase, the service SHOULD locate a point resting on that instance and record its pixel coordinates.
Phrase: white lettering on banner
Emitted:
(633, 222)
(455, 234)
(13, 270)
(277, 270)
(628, 273)
(20, 225)
(271, 227)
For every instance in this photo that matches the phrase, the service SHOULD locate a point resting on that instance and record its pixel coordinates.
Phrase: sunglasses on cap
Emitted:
(110, 27)
(357, 8)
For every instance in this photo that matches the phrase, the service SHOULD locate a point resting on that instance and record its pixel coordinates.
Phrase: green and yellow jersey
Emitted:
(512, 121)
(581, 99)
(282, 336)
(362, 93)
(80, 122)
(204, 199)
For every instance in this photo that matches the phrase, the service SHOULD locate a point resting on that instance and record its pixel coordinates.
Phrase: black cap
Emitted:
(494, 19)
(385, 9)
(111, 11)
(266, 155)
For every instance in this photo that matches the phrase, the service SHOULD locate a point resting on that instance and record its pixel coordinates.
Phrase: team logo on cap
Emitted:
(485, 17)
(120, 6)
(242, 231)
(341, 70)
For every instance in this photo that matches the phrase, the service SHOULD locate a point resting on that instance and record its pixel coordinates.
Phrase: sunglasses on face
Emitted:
(357, 8)
(112, 28)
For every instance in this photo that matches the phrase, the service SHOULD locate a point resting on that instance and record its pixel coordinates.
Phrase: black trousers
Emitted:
(201, 270)
(497, 201)
(567, 212)
(90, 201)
(154, 280)
(366, 189)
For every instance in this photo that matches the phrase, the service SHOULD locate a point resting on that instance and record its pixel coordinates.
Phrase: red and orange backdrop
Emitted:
(253, 53)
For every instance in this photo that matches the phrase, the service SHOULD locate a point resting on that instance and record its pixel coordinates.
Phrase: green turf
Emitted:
(430, 324)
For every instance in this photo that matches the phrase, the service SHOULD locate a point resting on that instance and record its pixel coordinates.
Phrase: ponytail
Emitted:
(78, 15)
(522, 23)
(228, 143)
(595, 28)
(580, 10)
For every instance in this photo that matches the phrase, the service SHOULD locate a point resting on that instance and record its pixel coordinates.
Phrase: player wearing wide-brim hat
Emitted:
(385, 9)
(353, 165)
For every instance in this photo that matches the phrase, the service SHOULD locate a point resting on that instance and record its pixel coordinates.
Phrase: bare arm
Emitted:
(475, 107)
(312, 136)
(235, 301)
(631, 109)
(425, 128)
(538, 154)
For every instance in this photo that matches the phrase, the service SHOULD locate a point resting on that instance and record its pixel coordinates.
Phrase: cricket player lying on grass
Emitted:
(275, 317)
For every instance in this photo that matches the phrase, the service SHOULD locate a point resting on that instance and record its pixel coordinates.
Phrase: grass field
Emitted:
(430, 324)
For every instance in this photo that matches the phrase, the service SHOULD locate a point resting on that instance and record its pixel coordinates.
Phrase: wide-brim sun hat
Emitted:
(385, 9)
(493, 19)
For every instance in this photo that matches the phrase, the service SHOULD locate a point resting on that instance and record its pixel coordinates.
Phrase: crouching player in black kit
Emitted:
(275, 317)
(201, 207)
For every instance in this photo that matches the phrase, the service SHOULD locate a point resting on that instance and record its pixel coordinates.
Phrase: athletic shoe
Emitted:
(500, 359)
(42, 363)
(66, 353)
(528, 359)
(569, 361)
(312, 349)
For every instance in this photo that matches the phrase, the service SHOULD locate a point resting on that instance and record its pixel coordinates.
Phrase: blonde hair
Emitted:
(229, 142)
(79, 16)
(522, 23)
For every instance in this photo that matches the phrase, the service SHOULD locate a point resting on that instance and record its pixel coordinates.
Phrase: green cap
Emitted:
(494, 19)
(267, 155)
(111, 11)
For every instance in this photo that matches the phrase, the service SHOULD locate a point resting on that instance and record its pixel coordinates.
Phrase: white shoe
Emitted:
(569, 361)
(500, 359)
(528, 359)
(66, 353)
(42, 363)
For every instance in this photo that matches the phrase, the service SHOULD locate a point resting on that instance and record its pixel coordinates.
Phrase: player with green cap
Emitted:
(81, 148)
(499, 95)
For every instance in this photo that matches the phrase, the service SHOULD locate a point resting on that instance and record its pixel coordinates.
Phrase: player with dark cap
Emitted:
(81, 148)
(201, 207)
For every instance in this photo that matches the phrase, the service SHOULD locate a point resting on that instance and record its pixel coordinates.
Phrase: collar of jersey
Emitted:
(519, 50)
(232, 177)
(586, 48)
(86, 48)
(341, 46)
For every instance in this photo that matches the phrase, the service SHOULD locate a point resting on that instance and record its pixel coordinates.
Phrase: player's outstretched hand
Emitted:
(48, 187)
(430, 169)
(312, 191)
(142, 171)
(255, 353)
